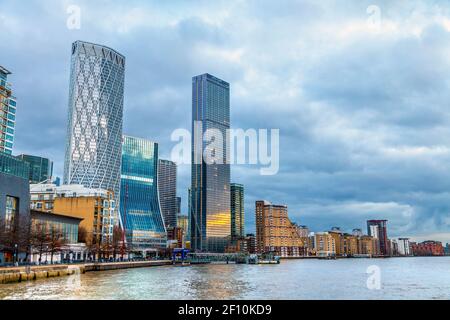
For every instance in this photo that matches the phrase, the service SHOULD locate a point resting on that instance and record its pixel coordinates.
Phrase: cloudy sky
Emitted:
(359, 91)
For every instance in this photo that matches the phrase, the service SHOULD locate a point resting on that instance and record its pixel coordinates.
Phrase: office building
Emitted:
(183, 223)
(14, 205)
(41, 169)
(139, 205)
(378, 230)
(237, 212)
(210, 212)
(8, 106)
(167, 186)
(275, 232)
(94, 131)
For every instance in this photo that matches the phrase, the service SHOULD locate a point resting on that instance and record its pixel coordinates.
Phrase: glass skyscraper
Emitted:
(210, 188)
(7, 113)
(237, 212)
(94, 131)
(41, 169)
(139, 204)
(167, 186)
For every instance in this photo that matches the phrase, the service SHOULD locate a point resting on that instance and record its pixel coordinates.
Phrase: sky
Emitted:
(358, 89)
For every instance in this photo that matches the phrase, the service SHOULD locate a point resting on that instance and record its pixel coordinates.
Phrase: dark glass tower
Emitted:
(237, 211)
(210, 188)
(41, 169)
(167, 187)
(139, 206)
(378, 230)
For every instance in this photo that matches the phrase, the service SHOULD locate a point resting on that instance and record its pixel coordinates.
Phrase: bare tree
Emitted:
(56, 241)
(39, 239)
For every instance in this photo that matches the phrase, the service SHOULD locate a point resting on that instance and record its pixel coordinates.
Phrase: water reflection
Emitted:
(409, 278)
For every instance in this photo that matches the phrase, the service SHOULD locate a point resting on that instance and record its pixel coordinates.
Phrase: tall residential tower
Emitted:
(210, 187)
(94, 131)
(237, 212)
(7, 113)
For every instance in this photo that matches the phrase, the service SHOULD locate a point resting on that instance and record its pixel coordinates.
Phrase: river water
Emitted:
(399, 278)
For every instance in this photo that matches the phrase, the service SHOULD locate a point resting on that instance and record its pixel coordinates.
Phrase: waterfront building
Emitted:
(350, 245)
(378, 230)
(95, 206)
(167, 187)
(94, 131)
(237, 212)
(64, 232)
(250, 238)
(393, 245)
(139, 205)
(357, 232)
(210, 212)
(428, 248)
(324, 244)
(275, 232)
(338, 237)
(41, 169)
(367, 245)
(176, 236)
(447, 249)
(14, 205)
(8, 105)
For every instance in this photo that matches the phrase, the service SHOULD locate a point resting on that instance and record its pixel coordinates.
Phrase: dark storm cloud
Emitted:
(363, 113)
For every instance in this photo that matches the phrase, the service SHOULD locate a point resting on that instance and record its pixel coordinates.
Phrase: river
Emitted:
(399, 278)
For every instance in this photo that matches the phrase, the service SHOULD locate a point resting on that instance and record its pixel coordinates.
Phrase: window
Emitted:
(12, 210)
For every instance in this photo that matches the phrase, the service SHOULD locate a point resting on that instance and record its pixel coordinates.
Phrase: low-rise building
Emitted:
(428, 248)
(95, 206)
(324, 244)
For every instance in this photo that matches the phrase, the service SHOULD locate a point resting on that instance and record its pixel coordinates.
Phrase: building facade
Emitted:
(167, 188)
(275, 232)
(237, 212)
(8, 106)
(139, 206)
(14, 204)
(324, 244)
(183, 222)
(95, 207)
(41, 169)
(94, 131)
(210, 187)
(378, 230)
(428, 248)
(404, 247)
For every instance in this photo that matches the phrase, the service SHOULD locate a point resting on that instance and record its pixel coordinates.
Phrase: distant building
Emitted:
(338, 235)
(94, 206)
(447, 249)
(367, 245)
(275, 232)
(8, 107)
(404, 247)
(167, 186)
(139, 206)
(378, 230)
(428, 248)
(251, 243)
(237, 211)
(41, 169)
(176, 235)
(14, 202)
(178, 205)
(393, 247)
(183, 223)
(357, 232)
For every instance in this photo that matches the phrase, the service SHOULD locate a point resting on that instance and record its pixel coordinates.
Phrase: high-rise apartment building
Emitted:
(41, 169)
(210, 212)
(275, 232)
(167, 187)
(378, 230)
(237, 211)
(94, 131)
(139, 201)
(7, 113)
(404, 247)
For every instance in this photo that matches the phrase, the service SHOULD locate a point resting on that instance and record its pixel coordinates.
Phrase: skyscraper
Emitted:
(7, 113)
(139, 203)
(210, 187)
(167, 186)
(378, 230)
(94, 131)
(41, 169)
(237, 211)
